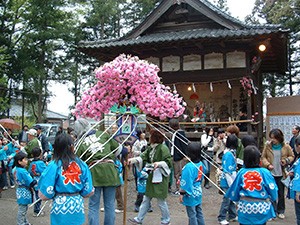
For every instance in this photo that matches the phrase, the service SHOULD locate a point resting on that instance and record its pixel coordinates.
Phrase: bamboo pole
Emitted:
(125, 189)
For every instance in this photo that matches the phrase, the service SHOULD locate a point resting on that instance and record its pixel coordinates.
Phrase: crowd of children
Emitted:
(250, 180)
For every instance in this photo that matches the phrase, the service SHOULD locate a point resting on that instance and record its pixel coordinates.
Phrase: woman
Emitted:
(157, 160)
(233, 129)
(139, 144)
(66, 180)
(276, 156)
(207, 142)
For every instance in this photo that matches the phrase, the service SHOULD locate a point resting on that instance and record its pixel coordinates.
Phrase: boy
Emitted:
(25, 183)
(36, 167)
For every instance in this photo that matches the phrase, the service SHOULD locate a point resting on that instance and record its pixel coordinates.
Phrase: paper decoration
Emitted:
(229, 85)
(253, 87)
(174, 87)
(211, 87)
(194, 88)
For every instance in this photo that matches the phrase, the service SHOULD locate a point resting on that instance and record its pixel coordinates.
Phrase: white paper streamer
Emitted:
(174, 87)
(229, 85)
(211, 87)
(253, 87)
(194, 88)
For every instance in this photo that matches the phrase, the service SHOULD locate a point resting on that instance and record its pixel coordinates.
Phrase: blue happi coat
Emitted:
(295, 183)
(23, 181)
(67, 189)
(254, 189)
(228, 168)
(142, 176)
(36, 169)
(10, 153)
(190, 182)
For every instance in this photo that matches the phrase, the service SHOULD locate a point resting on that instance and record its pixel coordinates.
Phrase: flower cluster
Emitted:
(138, 81)
(247, 85)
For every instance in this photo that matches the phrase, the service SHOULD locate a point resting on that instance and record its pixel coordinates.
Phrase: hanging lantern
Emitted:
(194, 96)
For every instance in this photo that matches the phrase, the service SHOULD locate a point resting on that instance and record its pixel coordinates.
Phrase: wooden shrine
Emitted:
(204, 54)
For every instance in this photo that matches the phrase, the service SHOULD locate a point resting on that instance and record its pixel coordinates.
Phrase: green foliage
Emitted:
(287, 14)
(222, 4)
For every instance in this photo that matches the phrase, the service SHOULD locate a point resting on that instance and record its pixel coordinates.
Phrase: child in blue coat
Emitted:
(36, 168)
(229, 167)
(254, 189)
(66, 180)
(295, 183)
(25, 183)
(142, 176)
(190, 185)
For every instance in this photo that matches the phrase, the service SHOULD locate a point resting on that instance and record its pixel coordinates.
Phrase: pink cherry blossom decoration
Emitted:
(137, 80)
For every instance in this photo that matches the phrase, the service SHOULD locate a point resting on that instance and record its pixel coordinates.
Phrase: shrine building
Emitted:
(210, 58)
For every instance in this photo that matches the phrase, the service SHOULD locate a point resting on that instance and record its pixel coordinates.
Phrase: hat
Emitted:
(32, 132)
(81, 126)
(37, 127)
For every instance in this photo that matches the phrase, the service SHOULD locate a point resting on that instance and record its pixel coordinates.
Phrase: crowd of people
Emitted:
(252, 182)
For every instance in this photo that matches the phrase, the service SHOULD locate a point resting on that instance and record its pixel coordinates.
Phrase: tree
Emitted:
(286, 13)
(222, 4)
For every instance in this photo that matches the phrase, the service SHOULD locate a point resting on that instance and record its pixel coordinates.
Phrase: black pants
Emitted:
(279, 206)
(139, 199)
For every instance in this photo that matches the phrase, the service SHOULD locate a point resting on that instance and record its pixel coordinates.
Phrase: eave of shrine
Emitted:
(184, 27)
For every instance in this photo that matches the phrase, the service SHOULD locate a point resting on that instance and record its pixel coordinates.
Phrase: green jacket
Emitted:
(240, 150)
(31, 145)
(162, 153)
(104, 174)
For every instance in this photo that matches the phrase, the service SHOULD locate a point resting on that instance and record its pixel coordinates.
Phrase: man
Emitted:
(104, 174)
(295, 132)
(178, 150)
(42, 138)
(22, 137)
(60, 131)
(33, 142)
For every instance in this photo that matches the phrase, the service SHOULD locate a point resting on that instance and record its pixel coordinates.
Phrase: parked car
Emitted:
(49, 130)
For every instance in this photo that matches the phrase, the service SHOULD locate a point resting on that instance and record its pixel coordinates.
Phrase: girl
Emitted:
(229, 167)
(25, 183)
(156, 157)
(66, 180)
(253, 188)
(190, 185)
(275, 157)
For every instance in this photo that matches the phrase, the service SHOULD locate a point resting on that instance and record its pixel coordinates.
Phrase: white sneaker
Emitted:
(119, 210)
(281, 216)
(224, 222)
(12, 187)
(5, 188)
(233, 219)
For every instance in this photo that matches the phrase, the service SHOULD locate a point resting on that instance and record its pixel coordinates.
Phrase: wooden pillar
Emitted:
(259, 108)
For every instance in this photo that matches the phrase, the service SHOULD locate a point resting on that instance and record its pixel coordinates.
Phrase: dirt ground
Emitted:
(211, 205)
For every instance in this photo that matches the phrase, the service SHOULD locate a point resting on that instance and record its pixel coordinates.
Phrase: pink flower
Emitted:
(138, 78)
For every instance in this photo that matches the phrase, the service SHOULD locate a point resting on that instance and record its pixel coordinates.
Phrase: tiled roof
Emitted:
(181, 36)
(16, 110)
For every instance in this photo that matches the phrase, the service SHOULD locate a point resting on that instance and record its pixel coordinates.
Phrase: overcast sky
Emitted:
(63, 98)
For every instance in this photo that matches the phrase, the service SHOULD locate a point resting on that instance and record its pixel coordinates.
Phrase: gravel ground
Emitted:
(211, 205)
